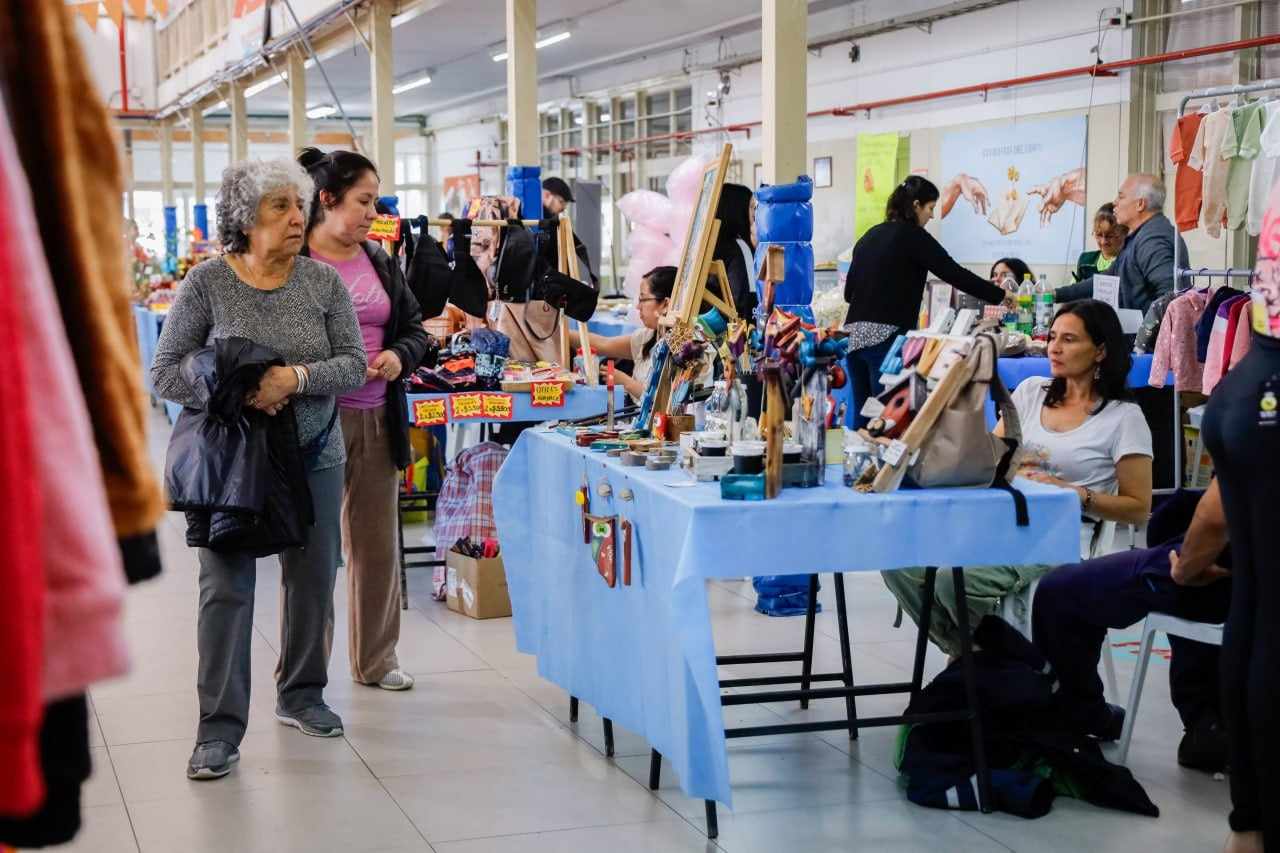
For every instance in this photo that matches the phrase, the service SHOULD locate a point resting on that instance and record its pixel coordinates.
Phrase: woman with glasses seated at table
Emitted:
(1109, 235)
(637, 347)
(1079, 432)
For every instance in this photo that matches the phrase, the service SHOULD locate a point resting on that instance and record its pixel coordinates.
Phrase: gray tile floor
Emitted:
(480, 756)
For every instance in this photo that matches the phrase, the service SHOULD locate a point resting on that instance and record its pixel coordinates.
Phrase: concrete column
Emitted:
(1145, 132)
(784, 75)
(199, 212)
(166, 164)
(130, 209)
(522, 83)
(1246, 68)
(641, 151)
(239, 123)
(297, 78)
(382, 79)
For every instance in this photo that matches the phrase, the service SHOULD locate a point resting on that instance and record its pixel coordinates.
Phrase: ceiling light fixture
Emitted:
(263, 86)
(411, 83)
(556, 38)
(322, 111)
(221, 105)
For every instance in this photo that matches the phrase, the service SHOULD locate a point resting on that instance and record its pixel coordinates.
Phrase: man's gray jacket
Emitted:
(1145, 266)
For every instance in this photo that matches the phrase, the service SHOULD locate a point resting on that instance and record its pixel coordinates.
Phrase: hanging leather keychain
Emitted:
(626, 552)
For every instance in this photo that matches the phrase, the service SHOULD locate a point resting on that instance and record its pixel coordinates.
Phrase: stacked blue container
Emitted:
(525, 183)
(784, 217)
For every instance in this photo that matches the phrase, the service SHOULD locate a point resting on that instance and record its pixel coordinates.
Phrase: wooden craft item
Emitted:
(772, 426)
(569, 259)
(892, 472)
(772, 271)
(626, 552)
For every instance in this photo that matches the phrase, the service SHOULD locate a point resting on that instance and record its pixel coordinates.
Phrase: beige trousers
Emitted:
(369, 508)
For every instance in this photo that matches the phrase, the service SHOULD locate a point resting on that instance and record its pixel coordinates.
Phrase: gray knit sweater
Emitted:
(308, 321)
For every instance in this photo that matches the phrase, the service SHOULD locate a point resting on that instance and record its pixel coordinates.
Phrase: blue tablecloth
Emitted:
(147, 324)
(583, 401)
(643, 655)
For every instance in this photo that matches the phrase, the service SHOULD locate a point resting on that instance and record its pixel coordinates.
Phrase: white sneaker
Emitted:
(396, 679)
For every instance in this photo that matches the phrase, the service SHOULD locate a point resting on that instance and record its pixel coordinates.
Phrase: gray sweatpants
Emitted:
(224, 632)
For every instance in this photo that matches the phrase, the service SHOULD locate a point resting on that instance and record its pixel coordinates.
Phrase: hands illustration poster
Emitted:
(1014, 190)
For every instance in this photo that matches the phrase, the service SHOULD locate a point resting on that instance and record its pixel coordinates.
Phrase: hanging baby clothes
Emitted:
(1206, 155)
(1243, 337)
(1188, 191)
(67, 145)
(84, 639)
(1241, 145)
(1266, 168)
(1215, 364)
(1176, 346)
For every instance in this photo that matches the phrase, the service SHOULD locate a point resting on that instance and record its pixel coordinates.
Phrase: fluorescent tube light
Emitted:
(322, 111)
(501, 55)
(411, 83)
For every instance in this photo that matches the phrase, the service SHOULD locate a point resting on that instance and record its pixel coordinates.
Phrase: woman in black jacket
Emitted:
(374, 417)
(886, 282)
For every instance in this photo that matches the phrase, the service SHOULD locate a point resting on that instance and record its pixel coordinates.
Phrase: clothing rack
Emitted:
(1181, 273)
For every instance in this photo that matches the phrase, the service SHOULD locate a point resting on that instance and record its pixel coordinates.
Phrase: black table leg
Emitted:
(655, 769)
(971, 693)
(713, 825)
(922, 639)
(846, 656)
(810, 617)
(608, 737)
(573, 709)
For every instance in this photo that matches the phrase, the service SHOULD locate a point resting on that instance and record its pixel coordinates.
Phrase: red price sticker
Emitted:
(498, 407)
(429, 412)
(465, 407)
(546, 395)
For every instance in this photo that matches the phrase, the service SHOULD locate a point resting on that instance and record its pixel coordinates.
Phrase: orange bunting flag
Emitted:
(115, 11)
(138, 8)
(161, 7)
(89, 11)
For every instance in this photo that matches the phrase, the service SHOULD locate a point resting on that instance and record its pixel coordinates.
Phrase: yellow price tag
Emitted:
(467, 406)
(429, 412)
(546, 395)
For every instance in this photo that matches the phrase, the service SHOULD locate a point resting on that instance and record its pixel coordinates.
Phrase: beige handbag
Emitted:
(959, 450)
(534, 330)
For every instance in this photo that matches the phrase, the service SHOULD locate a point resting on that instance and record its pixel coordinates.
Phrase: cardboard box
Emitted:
(476, 588)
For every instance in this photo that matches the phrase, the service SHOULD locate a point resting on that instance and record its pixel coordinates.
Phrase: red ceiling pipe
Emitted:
(1102, 69)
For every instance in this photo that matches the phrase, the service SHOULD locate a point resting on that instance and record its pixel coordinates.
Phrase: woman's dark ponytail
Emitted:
(334, 172)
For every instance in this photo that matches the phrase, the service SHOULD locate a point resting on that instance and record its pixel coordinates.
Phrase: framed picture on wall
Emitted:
(822, 171)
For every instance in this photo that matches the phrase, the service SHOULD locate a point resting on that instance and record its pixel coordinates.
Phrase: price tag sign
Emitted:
(498, 407)
(1106, 288)
(466, 407)
(385, 227)
(429, 412)
(546, 395)
(894, 452)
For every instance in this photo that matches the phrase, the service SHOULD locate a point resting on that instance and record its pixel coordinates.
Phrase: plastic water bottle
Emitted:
(1044, 308)
(1026, 306)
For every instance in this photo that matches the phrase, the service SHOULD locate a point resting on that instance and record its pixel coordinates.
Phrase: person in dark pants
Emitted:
(886, 283)
(1076, 604)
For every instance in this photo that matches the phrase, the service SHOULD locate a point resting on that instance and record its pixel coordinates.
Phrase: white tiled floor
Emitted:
(480, 757)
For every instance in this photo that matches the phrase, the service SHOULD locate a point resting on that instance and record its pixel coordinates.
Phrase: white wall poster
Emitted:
(1015, 190)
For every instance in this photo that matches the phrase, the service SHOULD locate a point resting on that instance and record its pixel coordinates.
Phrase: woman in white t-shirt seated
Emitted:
(637, 347)
(1080, 432)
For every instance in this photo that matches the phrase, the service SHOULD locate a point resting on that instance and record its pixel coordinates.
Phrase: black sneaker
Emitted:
(317, 721)
(212, 759)
(1205, 747)
(1107, 723)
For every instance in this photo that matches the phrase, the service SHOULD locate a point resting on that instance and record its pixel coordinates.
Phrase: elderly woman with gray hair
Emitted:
(262, 290)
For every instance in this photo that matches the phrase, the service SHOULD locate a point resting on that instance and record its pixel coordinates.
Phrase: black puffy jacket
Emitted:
(239, 474)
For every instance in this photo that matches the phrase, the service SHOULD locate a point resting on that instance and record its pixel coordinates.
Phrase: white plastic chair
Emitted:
(1016, 608)
(1203, 632)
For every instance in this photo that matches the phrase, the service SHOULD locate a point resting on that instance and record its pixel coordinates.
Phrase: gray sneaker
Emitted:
(317, 721)
(212, 759)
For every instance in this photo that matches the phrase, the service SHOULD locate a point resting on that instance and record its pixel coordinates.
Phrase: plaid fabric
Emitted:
(465, 505)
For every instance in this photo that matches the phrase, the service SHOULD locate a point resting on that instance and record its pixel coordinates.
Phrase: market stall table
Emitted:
(147, 324)
(643, 655)
(611, 324)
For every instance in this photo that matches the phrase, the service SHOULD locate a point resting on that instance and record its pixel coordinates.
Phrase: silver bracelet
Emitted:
(303, 377)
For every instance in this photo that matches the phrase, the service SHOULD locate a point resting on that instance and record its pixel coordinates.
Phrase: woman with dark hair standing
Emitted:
(374, 417)
(735, 245)
(887, 278)
(1079, 432)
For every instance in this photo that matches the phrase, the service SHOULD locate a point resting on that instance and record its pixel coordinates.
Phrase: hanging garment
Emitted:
(68, 150)
(1241, 144)
(1214, 365)
(65, 764)
(1206, 156)
(1266, 168)
(1243, 337)
(1188, 192)
(21, 573)
(486, 240)
(1176, 345)
(82, 565)
(1204, 326)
